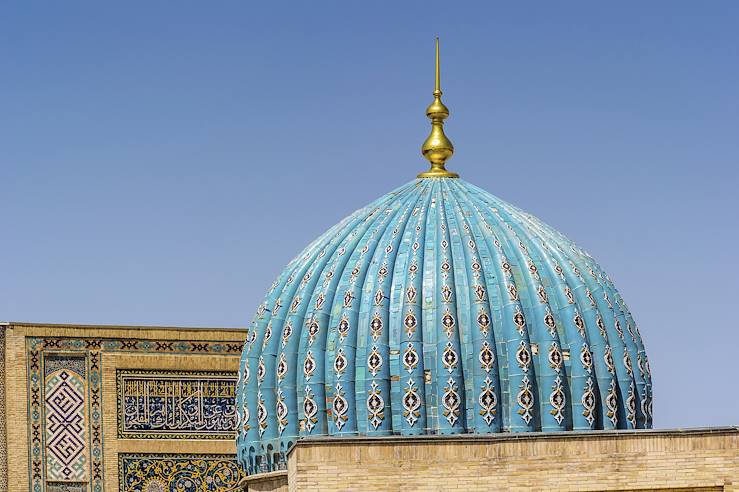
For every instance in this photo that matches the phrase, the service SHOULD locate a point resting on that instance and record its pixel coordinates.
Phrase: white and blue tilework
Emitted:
(438, 309)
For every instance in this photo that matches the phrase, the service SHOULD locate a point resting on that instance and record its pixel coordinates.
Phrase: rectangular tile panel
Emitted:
(65, 387)
(176, 404)
(191, 472)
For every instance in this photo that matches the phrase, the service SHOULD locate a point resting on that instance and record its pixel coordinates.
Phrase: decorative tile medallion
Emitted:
(178, 472)
(176, 404)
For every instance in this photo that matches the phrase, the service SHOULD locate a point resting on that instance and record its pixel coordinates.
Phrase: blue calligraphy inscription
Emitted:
(176, 404)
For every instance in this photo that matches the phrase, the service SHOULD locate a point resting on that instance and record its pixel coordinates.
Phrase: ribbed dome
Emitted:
(438, 309)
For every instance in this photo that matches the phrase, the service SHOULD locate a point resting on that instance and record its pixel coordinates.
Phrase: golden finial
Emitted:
(437, 148)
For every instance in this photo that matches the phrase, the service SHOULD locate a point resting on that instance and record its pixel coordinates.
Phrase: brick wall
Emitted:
(208, 355)
(705, 460)
(266, 482)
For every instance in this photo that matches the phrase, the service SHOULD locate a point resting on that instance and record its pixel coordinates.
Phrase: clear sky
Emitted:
(161, 162)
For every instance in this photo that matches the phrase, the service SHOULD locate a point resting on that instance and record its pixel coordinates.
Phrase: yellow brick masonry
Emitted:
(114, 445)
(266, 482)
(16, 402)
(16, 409)
(700, 459)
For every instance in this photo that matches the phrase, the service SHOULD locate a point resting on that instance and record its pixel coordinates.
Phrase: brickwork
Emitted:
(3, 421)
(641, 461)
(115, 445)
(704, 460)
(266, 482)
(16, 409)
(106, 350)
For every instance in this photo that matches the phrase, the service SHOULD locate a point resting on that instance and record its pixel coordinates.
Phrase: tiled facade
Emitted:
(103, 408)
(194, 371)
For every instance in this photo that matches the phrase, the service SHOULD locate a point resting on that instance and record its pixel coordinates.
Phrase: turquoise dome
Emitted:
(438, 309)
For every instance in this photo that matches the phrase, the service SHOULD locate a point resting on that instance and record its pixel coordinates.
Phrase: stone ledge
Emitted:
(276, 481)
(259, 477)
(513, 436)
(703, 459)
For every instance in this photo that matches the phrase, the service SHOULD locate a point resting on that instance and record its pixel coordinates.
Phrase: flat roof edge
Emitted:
(119, 327)
(515, 436)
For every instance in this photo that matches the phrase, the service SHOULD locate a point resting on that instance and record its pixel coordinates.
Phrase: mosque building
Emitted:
(434, 338)
(438, 338)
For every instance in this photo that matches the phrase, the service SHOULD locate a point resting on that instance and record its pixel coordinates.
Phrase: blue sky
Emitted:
(161, 162)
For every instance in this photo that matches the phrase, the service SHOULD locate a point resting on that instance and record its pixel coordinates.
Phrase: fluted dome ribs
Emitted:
(438, 309)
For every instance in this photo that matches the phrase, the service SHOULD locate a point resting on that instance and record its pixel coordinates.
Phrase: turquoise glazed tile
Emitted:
(438, 309)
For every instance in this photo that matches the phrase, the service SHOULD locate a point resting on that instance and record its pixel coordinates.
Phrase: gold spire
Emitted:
(437, 148)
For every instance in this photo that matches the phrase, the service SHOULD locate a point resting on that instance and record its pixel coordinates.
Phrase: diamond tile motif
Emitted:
(66, 430)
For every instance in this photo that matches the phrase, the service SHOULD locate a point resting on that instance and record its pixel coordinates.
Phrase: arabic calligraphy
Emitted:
(176, 404)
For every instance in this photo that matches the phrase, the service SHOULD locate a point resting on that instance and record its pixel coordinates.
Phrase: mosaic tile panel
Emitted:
(178, 472)
(39, 351)
(66, 418)
(176, 404)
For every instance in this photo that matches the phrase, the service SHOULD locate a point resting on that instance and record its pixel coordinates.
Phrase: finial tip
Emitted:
(437, 148)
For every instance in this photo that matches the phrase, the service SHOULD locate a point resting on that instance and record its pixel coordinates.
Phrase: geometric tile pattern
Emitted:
(66, 429)
(178, 472)
(438, 309)
(176, 404)
(43, 351)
